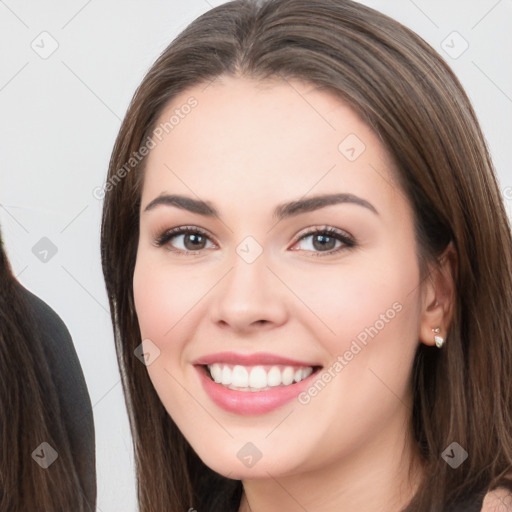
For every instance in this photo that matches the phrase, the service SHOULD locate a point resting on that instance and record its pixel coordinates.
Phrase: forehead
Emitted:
(263, 139)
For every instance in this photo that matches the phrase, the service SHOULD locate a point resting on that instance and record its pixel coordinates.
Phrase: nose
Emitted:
(249, 298)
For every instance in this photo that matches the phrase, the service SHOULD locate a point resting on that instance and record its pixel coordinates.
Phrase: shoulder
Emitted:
(60, 354)
(46, 318)
(72, 393)
(498, 500)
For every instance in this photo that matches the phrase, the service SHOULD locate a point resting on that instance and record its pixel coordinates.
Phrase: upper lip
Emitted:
(258, 358)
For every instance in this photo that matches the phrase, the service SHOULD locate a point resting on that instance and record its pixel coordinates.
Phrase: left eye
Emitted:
(325, 241)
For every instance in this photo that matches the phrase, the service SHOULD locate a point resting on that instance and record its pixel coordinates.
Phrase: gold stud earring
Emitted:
(438, 339)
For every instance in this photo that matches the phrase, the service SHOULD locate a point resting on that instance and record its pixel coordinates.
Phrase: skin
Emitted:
(246, 148)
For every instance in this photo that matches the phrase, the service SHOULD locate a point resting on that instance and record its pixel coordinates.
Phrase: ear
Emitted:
(438, 297)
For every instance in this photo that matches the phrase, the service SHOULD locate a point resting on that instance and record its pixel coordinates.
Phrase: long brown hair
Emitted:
(30, 413)
(409, 96)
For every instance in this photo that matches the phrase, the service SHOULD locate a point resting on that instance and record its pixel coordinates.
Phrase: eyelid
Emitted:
(324, 229)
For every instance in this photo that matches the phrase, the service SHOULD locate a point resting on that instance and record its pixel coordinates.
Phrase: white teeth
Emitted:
(288, 375)
(216, 371)
(226, 376)
(274, 376)
(239, 377)
(257, 378)
(306, 372)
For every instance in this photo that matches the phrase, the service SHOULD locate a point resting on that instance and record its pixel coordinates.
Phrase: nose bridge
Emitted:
(249, 295)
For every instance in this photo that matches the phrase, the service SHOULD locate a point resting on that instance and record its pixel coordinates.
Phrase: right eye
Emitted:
(184, 240)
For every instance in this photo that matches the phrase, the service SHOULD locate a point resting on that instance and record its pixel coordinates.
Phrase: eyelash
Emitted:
(347, 241)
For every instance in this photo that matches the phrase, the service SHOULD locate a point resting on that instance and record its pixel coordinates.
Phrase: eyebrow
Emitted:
(281, 212)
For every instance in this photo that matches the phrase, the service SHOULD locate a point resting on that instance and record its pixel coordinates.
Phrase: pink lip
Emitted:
(259, 358)
(250, 403)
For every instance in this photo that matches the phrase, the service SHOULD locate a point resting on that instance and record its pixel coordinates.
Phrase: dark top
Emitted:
(473, 503)
(73, 396)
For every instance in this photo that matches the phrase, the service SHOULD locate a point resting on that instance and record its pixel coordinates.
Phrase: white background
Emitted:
(60, 116)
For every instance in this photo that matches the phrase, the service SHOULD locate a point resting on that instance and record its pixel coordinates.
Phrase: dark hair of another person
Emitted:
(31, 412)
(410, 97)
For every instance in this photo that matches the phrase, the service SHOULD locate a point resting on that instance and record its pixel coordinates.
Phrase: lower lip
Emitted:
(250, 403)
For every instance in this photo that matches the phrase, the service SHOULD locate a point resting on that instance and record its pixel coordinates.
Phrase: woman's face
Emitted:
(299, 265)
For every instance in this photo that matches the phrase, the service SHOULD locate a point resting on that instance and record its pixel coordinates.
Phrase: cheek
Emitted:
(163, 295)
(374, 313)
(363, 301)
(162, 299)
(151, 301)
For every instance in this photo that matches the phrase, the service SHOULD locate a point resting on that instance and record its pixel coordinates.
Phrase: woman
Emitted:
(304, 241)
(47, 433)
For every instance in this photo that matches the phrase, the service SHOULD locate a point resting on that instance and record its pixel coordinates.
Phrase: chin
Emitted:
(243, 462)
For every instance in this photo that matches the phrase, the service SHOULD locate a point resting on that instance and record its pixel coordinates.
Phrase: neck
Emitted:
(381, 476)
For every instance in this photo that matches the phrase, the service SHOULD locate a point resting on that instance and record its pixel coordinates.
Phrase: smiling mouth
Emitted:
(258, 377)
